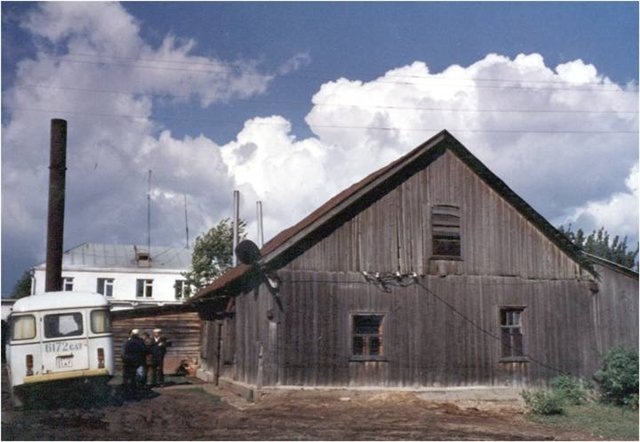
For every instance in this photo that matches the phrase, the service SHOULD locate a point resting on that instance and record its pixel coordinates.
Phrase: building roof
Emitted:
(292, 242)
(119, 256)
(59, 300)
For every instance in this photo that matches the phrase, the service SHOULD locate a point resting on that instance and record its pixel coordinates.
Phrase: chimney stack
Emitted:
(55, 219)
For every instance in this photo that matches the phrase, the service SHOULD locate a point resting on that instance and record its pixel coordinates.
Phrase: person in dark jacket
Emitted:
(159, 350)
(133, 361)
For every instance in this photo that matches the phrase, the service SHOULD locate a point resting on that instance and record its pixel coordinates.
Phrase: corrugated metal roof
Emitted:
(122, 256)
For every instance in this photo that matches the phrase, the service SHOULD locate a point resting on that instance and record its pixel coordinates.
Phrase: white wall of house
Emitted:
(124, 283)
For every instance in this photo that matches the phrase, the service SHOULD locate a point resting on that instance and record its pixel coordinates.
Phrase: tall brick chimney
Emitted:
(55, 218)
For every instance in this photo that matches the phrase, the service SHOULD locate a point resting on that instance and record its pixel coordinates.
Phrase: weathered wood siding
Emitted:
(394, 234)
(615, 309)
(183, 329)
(505, 261)
(425, 342)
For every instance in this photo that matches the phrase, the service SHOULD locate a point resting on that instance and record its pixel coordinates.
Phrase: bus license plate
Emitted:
(64, 362)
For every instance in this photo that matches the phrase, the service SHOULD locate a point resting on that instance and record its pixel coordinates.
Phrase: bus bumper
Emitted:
(60, 376)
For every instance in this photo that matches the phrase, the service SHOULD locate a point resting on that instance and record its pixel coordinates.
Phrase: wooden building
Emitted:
(429, 272)
(180, 324)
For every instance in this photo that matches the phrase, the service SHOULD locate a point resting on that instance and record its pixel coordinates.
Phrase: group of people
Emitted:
(143, 359)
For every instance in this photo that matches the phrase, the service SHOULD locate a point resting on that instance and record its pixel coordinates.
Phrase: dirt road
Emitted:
(188, 412)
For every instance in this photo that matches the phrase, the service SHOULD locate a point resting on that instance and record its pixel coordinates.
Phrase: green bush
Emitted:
(618, 377)
(570, 389)
(543, 402)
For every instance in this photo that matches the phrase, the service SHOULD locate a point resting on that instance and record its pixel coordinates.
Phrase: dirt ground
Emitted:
(189, 412)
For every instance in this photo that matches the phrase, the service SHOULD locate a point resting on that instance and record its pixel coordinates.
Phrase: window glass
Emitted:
(511, 332)
(105, 286)
(144, 288)
(367, 336)
(445, 225)
(62, 325)
(23, 327)
(67, 284)
(100, 321)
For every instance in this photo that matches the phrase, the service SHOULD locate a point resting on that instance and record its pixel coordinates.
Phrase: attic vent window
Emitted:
(445, 228)
(143, 259)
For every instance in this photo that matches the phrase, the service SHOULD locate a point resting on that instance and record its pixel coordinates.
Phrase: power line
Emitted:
(237, 65)
(378, 81)
(147, 118)
(345, 105)
(415, 281)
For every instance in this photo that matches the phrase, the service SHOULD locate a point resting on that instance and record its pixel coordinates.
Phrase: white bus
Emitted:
(59, 338)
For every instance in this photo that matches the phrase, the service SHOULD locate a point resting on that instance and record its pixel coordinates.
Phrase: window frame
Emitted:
(446, 228)
(510, 353)
(45, 325)
(13, 322)
(108, 321)
(107, 287)
(366, 355)
(144, 285)
(67, 283)
(181, 285)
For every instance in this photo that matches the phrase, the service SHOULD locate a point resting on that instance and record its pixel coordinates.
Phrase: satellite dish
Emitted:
(247, 252)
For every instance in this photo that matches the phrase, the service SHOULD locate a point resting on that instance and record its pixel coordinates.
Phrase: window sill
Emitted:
(514, 359)
(368, 359)
(445, 258)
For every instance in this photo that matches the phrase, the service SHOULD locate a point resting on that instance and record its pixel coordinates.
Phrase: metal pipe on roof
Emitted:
(236, 220)
(259, 221)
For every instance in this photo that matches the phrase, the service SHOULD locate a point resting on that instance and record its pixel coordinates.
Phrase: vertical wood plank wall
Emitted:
(394, 234)
(506, 261)
(183, 329)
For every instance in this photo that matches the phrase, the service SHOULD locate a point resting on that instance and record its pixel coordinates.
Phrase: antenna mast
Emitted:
(186, 220)
(149, 216)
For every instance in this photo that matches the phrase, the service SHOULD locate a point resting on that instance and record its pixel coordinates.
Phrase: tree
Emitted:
(23, 286)
(597, 243)
(212, 255)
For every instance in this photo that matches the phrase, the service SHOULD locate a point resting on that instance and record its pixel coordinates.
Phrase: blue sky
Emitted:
(277, 67)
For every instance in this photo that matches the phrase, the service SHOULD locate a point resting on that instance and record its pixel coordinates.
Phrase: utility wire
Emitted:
(346, 105)
(148, 118)
(237, 65)
(324, 79)
(452, 308)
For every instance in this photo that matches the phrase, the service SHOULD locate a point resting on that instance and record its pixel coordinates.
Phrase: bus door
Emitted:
(64, 343)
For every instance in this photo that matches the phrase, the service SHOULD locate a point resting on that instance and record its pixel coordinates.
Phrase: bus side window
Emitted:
(23, 327)
(100, 321)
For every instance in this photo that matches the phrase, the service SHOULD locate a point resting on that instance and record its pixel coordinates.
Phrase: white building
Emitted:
(128, 275)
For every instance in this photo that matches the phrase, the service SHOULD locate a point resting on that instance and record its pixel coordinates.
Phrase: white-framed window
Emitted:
(180, 288)
(67, 284)
(144, 288)
(105, 286)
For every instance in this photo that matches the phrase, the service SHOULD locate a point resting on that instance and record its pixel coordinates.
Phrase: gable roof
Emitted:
(295, 240)
(121, 256)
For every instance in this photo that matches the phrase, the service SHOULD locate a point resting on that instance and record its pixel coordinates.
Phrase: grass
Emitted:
(603, 421)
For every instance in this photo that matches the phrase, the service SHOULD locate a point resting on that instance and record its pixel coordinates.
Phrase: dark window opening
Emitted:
(367, 336)
(445, 226)
(511, 332)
